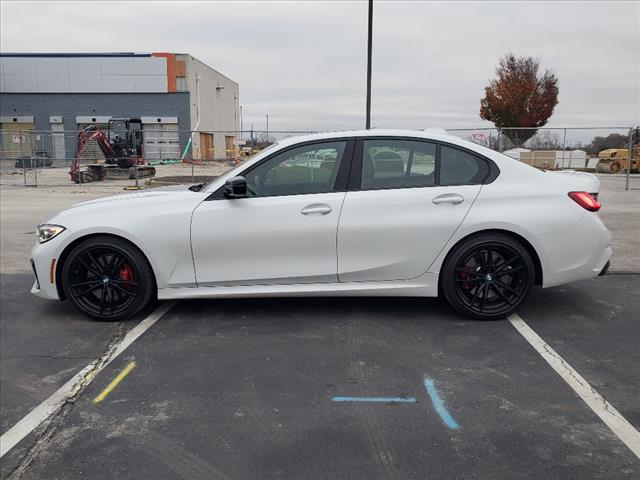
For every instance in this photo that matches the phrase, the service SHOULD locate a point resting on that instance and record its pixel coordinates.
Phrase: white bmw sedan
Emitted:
(373, 212)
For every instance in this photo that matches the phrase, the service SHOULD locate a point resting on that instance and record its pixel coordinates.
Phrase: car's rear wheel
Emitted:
(107, 278)
(488, 276)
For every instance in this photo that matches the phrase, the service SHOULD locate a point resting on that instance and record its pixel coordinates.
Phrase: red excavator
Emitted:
(122, 146)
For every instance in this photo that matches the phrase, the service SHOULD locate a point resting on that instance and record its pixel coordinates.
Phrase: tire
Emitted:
(468, 279)
(108, 279)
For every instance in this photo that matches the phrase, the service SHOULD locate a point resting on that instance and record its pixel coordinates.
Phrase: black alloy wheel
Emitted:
(488, 277)
(106, 278)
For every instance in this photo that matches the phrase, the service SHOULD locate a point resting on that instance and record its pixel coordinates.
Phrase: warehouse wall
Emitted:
(69, 105)
(66, 74)
(219, 110)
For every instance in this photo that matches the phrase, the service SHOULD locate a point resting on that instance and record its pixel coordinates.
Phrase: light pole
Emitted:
(369, 45)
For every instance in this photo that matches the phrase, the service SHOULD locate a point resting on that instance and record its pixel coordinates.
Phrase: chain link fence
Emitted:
(557, 148)
(44, 158)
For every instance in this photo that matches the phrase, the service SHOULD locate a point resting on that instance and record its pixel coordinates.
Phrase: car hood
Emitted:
(151, 195)
(129, 205)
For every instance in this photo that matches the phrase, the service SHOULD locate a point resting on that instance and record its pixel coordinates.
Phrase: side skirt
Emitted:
(424, 286)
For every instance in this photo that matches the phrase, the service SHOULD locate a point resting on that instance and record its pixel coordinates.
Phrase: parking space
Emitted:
(594, 326)
(247, 389)
(43, 344)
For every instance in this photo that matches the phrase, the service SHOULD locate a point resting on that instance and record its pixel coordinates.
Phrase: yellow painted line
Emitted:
(114, 383)
(68, 391)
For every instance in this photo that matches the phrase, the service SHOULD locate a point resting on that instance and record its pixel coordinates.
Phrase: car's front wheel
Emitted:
(106, 278)
(488, 276)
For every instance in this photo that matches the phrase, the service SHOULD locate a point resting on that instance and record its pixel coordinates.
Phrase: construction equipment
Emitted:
(122, 146)
(614, 160)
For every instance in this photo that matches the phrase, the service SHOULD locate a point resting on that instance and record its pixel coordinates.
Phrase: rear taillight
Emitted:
(585, 200)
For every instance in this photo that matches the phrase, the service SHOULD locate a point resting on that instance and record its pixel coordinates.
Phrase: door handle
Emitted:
(316, 209)
(452, 198)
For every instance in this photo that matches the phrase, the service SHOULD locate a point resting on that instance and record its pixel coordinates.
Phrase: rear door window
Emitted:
(458, 167)
(390, 163)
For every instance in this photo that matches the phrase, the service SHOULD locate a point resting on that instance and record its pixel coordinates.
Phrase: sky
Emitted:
(304, 63)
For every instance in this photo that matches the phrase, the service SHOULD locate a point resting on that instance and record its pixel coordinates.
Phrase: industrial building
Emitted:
(53, 95)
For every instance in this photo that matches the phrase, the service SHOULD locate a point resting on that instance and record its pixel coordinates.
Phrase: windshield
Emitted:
(203, 186)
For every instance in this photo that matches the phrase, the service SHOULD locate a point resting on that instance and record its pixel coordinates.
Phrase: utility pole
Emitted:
(267, 128)
(369, 45)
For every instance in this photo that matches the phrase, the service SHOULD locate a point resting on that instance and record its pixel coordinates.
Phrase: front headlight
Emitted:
(46, 232)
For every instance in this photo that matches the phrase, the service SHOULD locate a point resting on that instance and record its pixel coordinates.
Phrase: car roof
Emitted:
(436, 134)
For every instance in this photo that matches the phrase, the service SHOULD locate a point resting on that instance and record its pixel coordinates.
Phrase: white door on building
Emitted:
(161, 141)
(57, 130)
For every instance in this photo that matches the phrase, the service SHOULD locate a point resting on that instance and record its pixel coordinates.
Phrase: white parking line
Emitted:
(607, 413)
(80, 380)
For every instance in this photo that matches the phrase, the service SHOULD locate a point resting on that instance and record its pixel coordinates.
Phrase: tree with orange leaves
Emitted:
(519, 97)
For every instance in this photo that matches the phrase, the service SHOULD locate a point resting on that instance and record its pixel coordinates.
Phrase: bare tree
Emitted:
(546, 141)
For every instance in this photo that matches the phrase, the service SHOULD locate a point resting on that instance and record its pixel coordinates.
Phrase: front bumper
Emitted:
(44, 262)
(35, 274)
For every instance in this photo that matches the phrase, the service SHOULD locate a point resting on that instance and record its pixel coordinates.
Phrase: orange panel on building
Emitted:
(171, 69)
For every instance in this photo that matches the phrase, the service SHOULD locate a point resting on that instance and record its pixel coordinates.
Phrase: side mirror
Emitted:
(235, 187)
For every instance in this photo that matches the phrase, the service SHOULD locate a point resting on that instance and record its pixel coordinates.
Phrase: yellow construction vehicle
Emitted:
(614, 160)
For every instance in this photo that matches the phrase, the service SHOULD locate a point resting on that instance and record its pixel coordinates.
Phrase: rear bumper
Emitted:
(605, 269)
(576, 252)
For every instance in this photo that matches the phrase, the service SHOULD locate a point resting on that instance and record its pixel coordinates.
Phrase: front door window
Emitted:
(297, 171)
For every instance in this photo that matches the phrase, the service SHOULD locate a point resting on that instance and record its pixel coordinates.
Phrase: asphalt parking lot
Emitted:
(245, 389)
(264, 388)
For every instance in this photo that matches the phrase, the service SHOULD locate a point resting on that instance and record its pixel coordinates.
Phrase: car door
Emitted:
(284, 231)
(406, 198)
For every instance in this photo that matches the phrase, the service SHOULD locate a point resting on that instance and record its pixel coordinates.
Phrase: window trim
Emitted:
(355, 177)
(339, 185)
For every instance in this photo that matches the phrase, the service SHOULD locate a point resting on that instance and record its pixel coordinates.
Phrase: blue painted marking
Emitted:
(438, 404)
(376, 399)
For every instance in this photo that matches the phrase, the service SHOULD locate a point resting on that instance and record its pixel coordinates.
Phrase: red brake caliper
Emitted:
(125, 274)
(463, 276)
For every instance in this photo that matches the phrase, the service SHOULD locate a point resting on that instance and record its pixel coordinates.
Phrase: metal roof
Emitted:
(66, 55)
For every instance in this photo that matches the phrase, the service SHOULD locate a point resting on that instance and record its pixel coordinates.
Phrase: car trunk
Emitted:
(576, 181)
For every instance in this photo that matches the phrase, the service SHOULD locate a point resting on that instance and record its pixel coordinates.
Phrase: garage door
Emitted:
(17, 139)
(161, 141)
